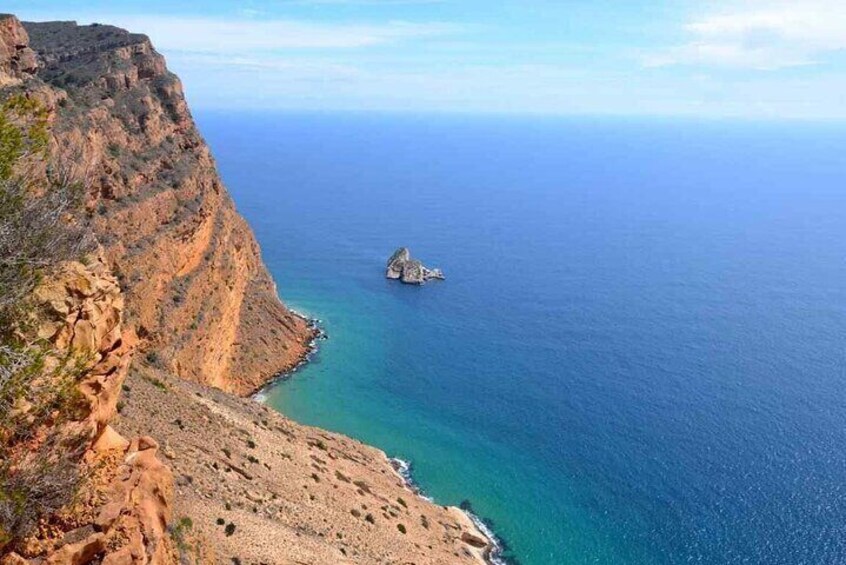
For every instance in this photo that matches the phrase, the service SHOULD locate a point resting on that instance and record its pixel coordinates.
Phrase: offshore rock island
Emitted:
(410, 271)
(173, 320)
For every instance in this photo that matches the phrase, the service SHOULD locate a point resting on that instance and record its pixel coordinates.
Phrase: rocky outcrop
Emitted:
(197, 292)
(397, 262)
(410, 271)
(121, 503)
(17, 60)
(80, 312)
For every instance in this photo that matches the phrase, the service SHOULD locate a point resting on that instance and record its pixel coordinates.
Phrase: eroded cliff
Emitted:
(93, 495)
(197, 292)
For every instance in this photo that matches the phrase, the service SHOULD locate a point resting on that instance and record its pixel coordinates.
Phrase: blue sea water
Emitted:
(639, 355)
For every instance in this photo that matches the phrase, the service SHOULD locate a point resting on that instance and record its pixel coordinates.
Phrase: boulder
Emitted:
(474, 540)
(17, 60)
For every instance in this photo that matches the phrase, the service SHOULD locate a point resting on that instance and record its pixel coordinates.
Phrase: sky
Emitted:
(769, 59)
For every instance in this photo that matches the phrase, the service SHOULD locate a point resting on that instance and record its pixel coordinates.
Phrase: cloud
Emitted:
(315, 84)
(291, 69)
(760, 35)
(250, 33)
(219, 35)
(254, 61)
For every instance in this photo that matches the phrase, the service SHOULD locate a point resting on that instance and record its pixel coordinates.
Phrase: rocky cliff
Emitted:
(197, 291)
(180, 282)
(110, 498)
(17, 60)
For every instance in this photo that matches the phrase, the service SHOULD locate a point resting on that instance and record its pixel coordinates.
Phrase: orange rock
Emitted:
(123, 556)
(175, 233)
(17, 60)
(108, 515)
(13, 559)
(79, 553)
(110, 440)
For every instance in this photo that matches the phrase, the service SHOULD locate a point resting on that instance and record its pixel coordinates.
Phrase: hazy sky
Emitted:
(753, 58)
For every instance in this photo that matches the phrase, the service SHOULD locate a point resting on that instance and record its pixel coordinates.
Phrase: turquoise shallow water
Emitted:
(638, 354)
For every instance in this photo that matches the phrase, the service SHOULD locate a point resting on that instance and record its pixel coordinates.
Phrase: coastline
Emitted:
(318, 334)
(493, 555)
(208, 454)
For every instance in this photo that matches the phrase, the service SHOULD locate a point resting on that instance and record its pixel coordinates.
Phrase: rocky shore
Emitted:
(315, 325)
(493, 545)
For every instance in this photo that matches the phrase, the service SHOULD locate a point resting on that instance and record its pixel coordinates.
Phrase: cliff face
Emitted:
(112, 497)
(197, 291)
(17, 60)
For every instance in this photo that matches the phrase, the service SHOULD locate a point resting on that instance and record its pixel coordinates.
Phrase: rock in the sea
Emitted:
(435, 274)
(397, 262)
(410, 271)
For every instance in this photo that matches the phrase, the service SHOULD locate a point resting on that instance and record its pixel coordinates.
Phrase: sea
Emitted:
(639, 352)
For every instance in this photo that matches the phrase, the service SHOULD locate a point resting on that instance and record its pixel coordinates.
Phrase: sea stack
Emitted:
(410, 271)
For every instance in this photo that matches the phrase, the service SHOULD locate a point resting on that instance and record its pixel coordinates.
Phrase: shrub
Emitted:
(36, 233)
(38, 198)
(36, 483)
(159, 384)
(180, 531)
(401, 528)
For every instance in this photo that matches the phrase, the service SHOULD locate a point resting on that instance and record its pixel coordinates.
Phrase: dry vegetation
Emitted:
(36, 386)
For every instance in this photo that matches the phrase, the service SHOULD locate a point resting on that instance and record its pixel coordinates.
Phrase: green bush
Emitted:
(36, 230)
(39, 200)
